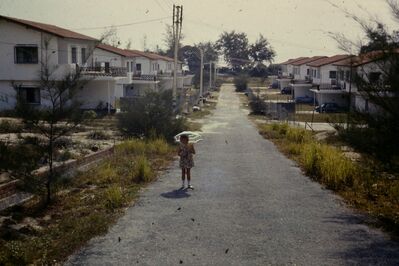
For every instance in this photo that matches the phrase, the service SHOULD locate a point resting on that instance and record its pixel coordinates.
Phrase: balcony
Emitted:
(104, 71)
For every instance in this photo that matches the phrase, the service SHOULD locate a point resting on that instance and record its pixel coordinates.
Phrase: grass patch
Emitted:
(321, 118)
(7, 126)
(85, 206)
(360, 183)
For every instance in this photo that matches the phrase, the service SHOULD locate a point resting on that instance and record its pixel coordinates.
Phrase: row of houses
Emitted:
(330, 79)
(112, 73)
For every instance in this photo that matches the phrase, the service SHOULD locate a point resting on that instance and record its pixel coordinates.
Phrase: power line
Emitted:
(125, 25)
(163, 9)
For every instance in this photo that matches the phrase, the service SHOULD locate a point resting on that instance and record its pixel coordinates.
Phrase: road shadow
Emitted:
(176, 194)
(374, 250)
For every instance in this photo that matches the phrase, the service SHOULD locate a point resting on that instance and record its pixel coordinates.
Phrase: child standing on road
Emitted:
(186, 151)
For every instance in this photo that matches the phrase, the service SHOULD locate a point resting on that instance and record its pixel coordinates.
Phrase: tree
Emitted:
(169, 42)
(110, 37)
(261, 51)
(380, 89)
(150, 116)
(58, 116)
(235, 49)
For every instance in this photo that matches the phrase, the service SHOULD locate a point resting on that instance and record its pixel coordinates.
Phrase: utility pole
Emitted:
(210, 75)
(201, 75)
(177, 26)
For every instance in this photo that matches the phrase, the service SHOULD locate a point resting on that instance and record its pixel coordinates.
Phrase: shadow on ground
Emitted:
(176, 194)
(378, 252)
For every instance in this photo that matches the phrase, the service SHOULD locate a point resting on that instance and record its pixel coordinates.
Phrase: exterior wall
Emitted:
(7, 95)
(145, 65)
(362, 104)
(13, 34)
(283, 83)
(290, 70)
(303, 72)
(340, 99)
(325, 74)
(114, 60)
(65, 51)
(96, 91)
(302, 90)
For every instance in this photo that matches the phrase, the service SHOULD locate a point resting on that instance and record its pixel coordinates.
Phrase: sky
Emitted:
(294, 28)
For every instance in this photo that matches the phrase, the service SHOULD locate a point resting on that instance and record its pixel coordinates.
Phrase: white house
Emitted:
(287, 72)
(324, 75)
(112, 73)
(25, 45)
(366, 66)
(301, 84)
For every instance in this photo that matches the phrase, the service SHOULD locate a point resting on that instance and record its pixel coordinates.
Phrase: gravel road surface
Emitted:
(250, 206)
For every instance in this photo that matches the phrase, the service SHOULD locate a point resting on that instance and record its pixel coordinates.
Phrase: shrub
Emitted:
(143, 170)
(63, 143)
(7, 126)
(298, 135)
(258, 106)
(150, 115)
(241, 83)
(132, 146)
(114, 198)
(158, 146)
(98, 135)
(89, 115)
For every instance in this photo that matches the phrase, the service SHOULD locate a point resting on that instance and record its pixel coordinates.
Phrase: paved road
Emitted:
(250, 206)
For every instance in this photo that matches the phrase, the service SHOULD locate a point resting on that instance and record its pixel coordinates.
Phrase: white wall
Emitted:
(14, 34)
(340, 99)
(96, 91)
(302, 90)
(101, 56)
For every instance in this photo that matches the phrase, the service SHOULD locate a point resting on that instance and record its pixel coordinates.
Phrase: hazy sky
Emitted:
(294, 27)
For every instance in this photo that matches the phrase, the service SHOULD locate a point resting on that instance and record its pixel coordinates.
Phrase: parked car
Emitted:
(286, 90)
(328, 108)
(305, 99)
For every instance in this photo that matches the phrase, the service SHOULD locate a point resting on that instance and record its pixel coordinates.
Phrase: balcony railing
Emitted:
(144, 77)
(104, 71)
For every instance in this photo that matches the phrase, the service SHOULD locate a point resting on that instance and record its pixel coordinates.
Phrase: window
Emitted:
(314, 73)
(333, 74)
(138, 67)
(347, 75)
(30, 95)
(83, 53)
(374, 77)
(127, 66)
(307, 71)
(341, 75)
(26, 54)
(74, 58)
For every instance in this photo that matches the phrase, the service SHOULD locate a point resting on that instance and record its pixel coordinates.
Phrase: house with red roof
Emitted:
(324, 76)
(112, 73)
(25, 45)
(370, 67)
(287, 72)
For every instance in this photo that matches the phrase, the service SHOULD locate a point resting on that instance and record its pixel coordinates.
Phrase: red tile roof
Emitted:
(307, 60)
(328, 60)
(115, 50)
(290, 61)
(151, 56)
(52, 29)
(362, 59)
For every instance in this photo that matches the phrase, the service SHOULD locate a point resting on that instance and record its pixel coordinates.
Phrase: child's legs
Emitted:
(183, 174)
(188, 172)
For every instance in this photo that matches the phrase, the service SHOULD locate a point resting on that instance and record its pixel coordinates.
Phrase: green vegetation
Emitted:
(360, 183)
(85, 206)
(7, 126)
(150, 116)
(241, 83)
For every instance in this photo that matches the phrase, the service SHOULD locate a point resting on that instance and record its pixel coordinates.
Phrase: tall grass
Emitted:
(320, 161)
(359, 182)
